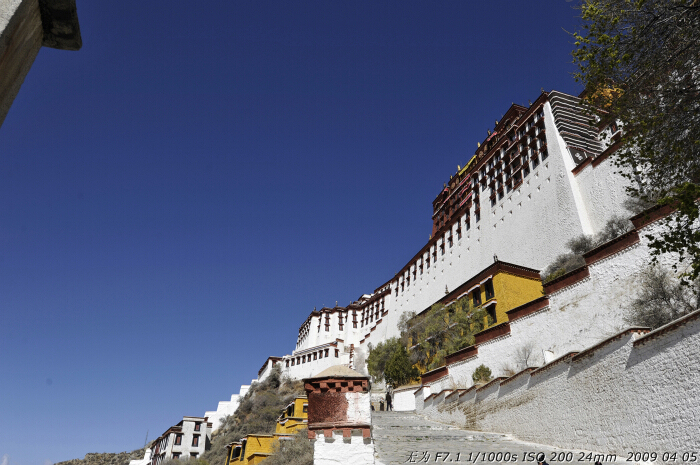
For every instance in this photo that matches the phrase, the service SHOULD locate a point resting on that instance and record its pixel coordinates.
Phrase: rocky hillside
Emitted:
(256, 414)
(107, 458)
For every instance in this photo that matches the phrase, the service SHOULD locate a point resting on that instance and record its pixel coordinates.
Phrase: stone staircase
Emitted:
(404, 437)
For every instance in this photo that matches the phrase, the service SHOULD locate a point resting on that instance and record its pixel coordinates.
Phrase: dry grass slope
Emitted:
(107, 458)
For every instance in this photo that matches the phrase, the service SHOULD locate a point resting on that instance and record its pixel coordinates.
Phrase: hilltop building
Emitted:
(188, 439)
(541, 177)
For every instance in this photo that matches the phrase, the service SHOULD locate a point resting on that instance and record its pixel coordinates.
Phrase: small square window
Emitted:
(176, 456)
(195, 440)
(305, 408)
(337, 352)
(197, 426)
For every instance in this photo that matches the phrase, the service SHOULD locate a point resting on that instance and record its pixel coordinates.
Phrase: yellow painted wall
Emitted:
(295, 422)
(512, 291)
(258, 444)
(291, 426)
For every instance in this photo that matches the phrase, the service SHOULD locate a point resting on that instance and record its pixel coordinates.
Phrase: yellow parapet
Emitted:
(511, 290)
(294, 417)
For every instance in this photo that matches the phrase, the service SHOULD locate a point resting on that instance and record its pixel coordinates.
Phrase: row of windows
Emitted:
(369, 314)
(195, 438)
(307, 358)
(530, 133)
(424, 262)
(497, 193)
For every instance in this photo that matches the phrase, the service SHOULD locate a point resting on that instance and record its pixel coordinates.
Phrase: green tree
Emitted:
(482, 374)
(640, 63)
(380, 356)
(399, 369)
(443, 330)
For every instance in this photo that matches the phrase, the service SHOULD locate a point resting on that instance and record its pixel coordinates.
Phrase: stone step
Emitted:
(405, 437)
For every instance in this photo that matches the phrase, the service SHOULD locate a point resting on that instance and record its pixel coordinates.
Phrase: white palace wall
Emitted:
(528, 227)
(403, 399)
(609, 389)
(576, 316)
(636, 391)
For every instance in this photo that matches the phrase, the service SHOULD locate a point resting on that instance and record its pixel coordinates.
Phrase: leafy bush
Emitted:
(380, 356)
(615, 227)
(390, 361)
(482, 374)
(661, 299)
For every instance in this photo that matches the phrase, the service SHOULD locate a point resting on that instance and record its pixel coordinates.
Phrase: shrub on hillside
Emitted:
(444, 330)
(615, 227)
(661, 299)
(256, 414)
(380, 356)
(297, 451)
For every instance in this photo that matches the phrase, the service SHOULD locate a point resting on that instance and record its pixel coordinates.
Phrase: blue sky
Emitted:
(178, 195)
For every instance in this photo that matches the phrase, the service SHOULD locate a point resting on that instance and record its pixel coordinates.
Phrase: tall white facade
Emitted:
(542, 177)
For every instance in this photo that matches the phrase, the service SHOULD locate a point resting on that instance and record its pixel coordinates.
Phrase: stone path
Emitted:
(404, 437)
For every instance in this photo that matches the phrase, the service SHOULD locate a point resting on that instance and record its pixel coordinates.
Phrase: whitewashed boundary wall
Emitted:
(226, 407)
(635, 391)
(579, 309)
(403, 399)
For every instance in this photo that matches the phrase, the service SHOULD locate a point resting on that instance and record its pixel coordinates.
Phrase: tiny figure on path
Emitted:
(388, 401)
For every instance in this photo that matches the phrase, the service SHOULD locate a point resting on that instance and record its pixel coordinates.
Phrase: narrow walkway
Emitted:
(404, 437)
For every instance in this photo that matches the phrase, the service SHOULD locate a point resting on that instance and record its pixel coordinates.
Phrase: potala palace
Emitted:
(543, 176)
